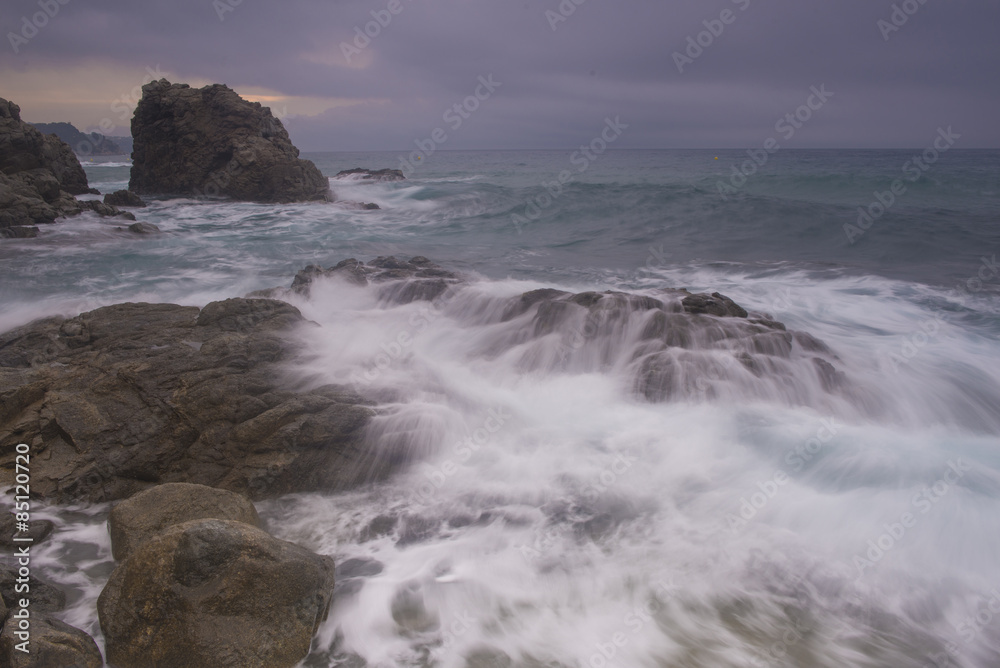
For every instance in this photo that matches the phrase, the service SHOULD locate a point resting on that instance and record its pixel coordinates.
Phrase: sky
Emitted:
(366, 75)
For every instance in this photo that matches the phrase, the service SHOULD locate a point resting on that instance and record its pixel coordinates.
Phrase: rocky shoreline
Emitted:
(184, 415)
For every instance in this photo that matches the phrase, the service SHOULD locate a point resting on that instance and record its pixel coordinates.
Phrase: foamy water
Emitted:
(553, 515)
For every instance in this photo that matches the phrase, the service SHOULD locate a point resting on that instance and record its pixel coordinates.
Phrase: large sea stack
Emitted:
(209, 141)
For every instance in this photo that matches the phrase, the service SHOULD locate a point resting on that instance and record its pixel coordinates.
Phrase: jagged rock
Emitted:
(124, 198)
(210, 141)
(39, 174)
(143, 228)
(401, 281)
(362, 174)
(53, 644)
(128, 396)
(370, 206)
(107, 210)
(714, 304)
(215, 593)
(150, 512)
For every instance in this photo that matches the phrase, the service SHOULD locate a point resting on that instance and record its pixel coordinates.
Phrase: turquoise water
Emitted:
(728, 526)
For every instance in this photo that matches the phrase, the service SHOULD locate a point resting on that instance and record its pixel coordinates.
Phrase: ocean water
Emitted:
(553, 515)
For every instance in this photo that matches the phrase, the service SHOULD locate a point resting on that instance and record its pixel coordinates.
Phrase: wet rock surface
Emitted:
(128, 396)
(215, 593)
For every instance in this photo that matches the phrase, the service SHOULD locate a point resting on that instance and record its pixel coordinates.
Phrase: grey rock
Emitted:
(399, 281)
(124, 198)
(143, 228)
(215, 593)
(714, 304)
(211, 142)
(372, 175)
(150, 512)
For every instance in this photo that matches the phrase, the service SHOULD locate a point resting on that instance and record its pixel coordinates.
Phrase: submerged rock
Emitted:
(124, 198)
(362, 174)
(128, 396)
(399, 281)
(215, 593)
(143, 228)
(210, 141)
(150, 512)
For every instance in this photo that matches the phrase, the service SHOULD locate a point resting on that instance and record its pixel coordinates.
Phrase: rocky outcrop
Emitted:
(215, 593)
(53, 644)
(361, 174)
(143, 228)
(116, 400)
(399, 281)
(150, 512)
(39, 176)
(124, 198)
(211, 142)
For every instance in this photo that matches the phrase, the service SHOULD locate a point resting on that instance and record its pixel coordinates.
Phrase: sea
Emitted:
(551, 515)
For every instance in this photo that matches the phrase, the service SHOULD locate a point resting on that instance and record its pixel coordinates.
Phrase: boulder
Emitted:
(211, 142)
(143, 228)
(133, 395)
(150, 512)
(124, 198)
(215, 593)
(361, 174)
(53, 644)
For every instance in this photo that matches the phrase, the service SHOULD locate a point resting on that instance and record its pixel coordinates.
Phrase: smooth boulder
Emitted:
(53, 644)
(150, 512)
(215, 593)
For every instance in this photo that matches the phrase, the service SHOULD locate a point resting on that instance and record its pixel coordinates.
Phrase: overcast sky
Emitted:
(893, 84)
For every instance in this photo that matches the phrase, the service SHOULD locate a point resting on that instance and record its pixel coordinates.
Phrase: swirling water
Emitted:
(552, 515)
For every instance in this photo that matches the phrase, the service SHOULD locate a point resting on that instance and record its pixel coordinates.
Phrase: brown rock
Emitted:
(215, 593)
(150, 512)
